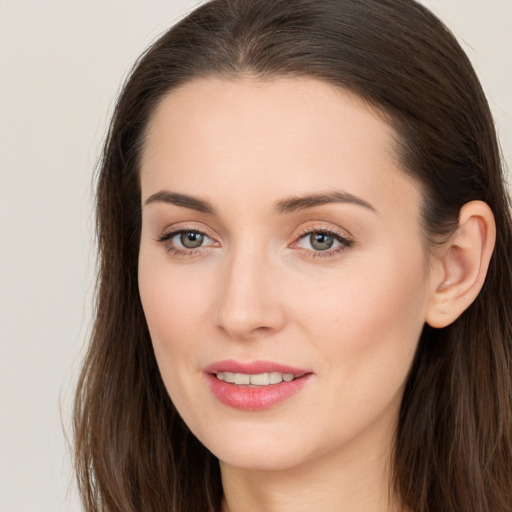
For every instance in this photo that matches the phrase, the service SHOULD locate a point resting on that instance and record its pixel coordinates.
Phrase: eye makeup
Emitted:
(333, 240)
(312, 241)
(175, 242)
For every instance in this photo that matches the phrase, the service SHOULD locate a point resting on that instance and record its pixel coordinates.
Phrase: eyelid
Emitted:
(168, 234)
(171, 234)
(324, 228)
(345, 242)
(174, 229)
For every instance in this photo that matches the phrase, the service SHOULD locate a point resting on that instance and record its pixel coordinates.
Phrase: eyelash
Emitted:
(176, 251)
(345, 243)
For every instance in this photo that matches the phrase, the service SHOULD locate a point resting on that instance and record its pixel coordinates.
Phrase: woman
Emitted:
(304, 296)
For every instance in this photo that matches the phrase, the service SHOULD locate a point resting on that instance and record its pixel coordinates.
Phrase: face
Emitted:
(282, 269)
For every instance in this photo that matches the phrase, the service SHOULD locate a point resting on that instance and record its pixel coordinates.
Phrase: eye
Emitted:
(322, 242)
(189, 239)
(185, 241)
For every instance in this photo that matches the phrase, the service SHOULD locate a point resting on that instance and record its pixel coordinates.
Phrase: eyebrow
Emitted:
(293, 204)
(194, 203)
(289, 205)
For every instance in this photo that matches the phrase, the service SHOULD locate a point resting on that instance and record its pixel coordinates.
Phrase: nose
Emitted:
(250, 303)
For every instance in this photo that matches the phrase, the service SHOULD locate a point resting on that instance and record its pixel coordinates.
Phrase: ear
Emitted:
(459, 265)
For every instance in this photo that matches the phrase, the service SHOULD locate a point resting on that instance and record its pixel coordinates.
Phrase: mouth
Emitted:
(254, 386)
(257, 379)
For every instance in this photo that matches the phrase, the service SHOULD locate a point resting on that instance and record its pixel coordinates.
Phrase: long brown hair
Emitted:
(453, 450)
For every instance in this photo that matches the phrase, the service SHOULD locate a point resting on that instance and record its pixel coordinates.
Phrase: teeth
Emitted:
(229, 377)
(242, 378)
(275, 377)
(260, 379)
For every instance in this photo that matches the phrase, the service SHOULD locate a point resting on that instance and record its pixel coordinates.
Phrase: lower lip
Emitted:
(255, 398)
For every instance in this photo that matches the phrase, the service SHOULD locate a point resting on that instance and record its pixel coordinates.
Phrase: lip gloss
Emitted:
(254, 398)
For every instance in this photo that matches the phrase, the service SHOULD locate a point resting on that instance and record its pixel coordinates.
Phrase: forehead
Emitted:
(287, 135)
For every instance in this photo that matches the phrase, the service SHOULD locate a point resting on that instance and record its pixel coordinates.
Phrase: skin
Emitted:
(258, 290)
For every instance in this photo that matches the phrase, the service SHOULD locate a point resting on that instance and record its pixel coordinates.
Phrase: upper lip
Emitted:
(253, 367)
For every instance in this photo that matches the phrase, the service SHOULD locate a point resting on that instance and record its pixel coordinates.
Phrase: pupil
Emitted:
(321, 241)
(191, 239)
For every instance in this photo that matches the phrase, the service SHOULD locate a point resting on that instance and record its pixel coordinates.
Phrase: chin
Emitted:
(261, 460)
(261, 449)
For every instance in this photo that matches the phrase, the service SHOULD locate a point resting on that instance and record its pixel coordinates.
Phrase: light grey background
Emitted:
(61, 66)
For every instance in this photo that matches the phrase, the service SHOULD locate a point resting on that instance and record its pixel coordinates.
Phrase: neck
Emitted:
(352, 479)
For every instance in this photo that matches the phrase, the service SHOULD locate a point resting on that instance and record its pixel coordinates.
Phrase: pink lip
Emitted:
(254, 398)
(253, 368)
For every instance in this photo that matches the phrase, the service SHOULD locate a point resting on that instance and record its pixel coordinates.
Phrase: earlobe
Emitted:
(461, 264)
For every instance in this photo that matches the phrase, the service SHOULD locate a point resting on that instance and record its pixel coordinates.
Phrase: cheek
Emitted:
(176, 305)
(363, 327)
(170, 306)
(173, 296)
(367, 317)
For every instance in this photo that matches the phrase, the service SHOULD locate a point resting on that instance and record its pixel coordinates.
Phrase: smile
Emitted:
(254, 386)
(259, 379)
